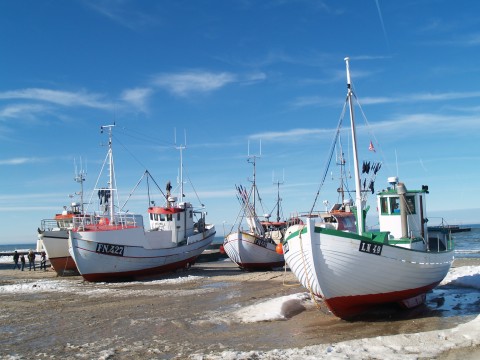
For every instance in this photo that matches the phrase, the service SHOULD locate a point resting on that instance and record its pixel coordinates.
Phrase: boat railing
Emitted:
(440, 241)
(52, 225)
(101, 222)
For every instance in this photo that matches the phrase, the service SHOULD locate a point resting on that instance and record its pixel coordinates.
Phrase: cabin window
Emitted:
(151, 216)
(394, 205)
(178, 216)
(169, 217)
(384, 205)
(191, 214)
(410, 204)
(162, 217)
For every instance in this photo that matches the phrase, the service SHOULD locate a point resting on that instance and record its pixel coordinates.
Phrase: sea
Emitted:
(467, 243)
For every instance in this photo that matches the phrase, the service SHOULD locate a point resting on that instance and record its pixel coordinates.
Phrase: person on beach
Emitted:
(22, 260)
(16, 256)
(43, 261)
(31, 260)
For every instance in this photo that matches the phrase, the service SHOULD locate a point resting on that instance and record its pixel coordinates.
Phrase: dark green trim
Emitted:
(371, 237)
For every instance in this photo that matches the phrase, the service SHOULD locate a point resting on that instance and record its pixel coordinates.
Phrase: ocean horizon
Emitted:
(467, 243)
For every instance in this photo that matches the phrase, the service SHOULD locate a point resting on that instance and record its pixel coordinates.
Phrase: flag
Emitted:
(370, 147)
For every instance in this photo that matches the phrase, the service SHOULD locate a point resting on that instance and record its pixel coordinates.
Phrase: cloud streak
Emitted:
(186, 83)
(412, 98)
(421, 122)
(137, 97)
(19, 161)
(64, 98)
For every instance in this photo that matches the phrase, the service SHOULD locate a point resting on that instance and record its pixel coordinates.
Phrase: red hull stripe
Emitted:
(348, 306)
(254, 266)
(138, 273)
(60, 264)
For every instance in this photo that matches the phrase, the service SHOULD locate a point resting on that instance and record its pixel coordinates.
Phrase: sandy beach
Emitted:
(202, 313)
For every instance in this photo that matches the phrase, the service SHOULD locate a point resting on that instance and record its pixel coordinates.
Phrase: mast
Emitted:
(111, 174)
(181, 147)
(80, 177)
(252, 218)
(358, 194)
(252, 159)
(279, 200)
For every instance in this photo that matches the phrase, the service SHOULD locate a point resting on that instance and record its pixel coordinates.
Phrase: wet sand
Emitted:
(175, 320)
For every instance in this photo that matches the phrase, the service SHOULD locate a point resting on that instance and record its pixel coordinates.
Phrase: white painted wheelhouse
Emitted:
(407, 224)
(176, 223)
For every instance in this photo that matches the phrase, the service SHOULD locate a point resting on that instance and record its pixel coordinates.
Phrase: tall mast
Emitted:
(111, 174)
(358, 194)
(181, 147)
(80, 177)
(279, 200)
(252, 159)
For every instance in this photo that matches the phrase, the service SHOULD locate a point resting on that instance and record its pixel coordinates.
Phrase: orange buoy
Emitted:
(279, 249)
(222, 250)
(104, 221)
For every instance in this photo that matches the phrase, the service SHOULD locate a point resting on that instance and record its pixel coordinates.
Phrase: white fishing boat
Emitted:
(53, 233)
(256, 247)
(355, 271)
(115, 245)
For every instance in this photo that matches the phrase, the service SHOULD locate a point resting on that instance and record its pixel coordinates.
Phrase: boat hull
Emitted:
(354, 274)
(251, 252)
(110, 255)
(55, 244)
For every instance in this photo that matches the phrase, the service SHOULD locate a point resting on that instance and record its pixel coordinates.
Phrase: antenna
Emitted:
(396, 160)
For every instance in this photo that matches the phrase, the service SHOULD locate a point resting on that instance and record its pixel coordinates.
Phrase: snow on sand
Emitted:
(403, 346)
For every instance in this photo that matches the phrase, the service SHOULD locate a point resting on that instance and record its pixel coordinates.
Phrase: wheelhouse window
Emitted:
(394, 205)
(410, 204)
(384, 205)
(391, 205)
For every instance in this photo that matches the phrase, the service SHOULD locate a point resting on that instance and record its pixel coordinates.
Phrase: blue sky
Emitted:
(229, 74)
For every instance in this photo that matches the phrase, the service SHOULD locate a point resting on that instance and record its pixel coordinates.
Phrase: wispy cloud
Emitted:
(19, 161)
(425, 122)
(411, 98)
(431, 123)
(186, 83)
(22, 111)
(138, 97)
(64, 98)
(290, 134)
(125, 13)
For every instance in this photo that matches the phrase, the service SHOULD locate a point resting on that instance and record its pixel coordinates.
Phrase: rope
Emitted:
(309, 286)
(285, 276)
(332, 149)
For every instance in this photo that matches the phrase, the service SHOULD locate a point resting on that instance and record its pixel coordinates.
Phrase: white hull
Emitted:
(330, 264)
(128, 253)
(252, 252)
(55, 244)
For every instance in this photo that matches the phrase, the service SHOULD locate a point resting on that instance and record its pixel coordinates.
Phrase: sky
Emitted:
(463, 282)
(232, 81)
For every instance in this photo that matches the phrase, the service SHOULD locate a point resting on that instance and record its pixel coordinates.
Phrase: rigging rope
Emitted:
(332, 149)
